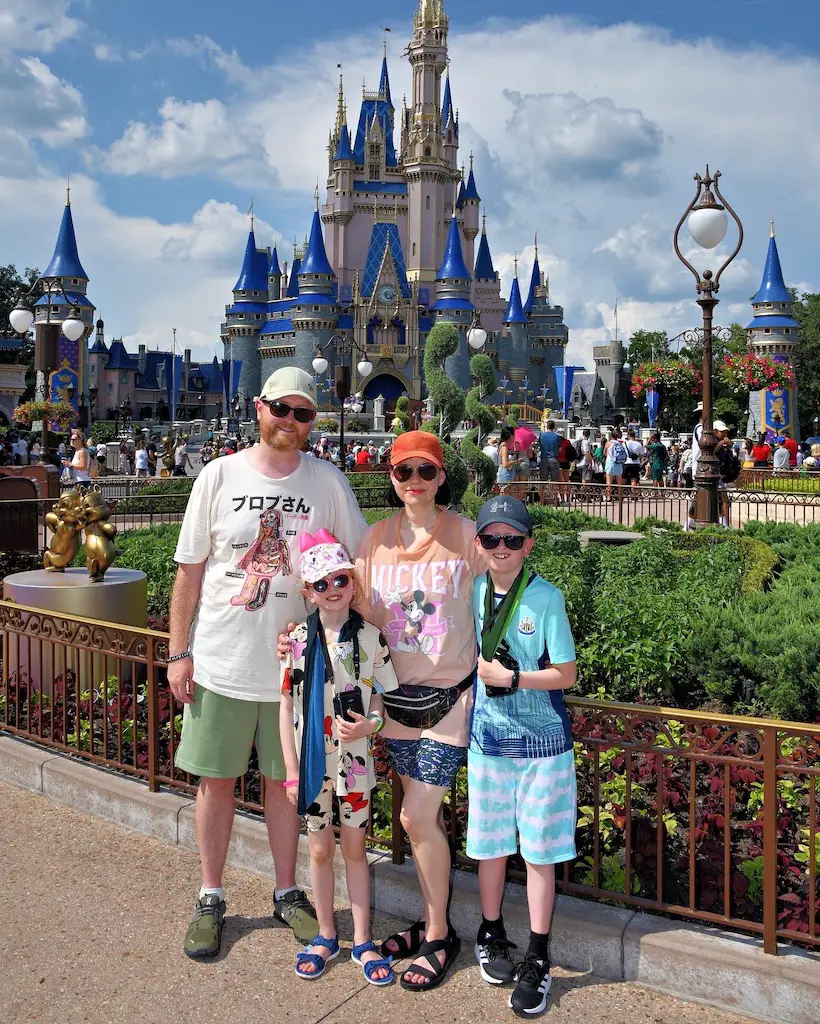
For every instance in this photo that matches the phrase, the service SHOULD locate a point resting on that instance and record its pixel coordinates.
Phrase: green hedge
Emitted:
(174, 493)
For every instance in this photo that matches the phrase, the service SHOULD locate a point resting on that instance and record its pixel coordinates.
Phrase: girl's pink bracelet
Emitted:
(290, 783)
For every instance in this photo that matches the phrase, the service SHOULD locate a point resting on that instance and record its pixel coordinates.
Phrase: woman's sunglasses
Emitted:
(427, 471)
(280, 411)
(514, 541)
(339, 582)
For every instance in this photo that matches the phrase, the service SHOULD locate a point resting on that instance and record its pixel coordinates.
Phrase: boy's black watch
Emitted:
(516, 679)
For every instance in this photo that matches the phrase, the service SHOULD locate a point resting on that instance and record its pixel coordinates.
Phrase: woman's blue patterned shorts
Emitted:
(426, 760)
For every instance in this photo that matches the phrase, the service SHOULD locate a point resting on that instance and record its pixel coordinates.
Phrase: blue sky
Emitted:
(587, 120)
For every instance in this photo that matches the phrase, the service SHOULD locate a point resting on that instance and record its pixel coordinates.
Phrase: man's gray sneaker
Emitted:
(295, 910)
(204, 935)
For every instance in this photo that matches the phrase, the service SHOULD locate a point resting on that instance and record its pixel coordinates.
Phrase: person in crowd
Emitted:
(614, 459)
(490, 449)
(635, 453)
(36, 450)
(206, 453)
(507, 457)
(781, 457)
(182, 461)
(548, 443)
(21, 450)
(234, 593)
(658, 459)
(727, 457)
(363, 456)
(520, 761)
(685, 468)
(141, 460)
(566, 455)
(792, 447)
(746, 457)
(673, 467)
(79, 461)
(336, 672)
(761, 453)
(61, 449)
(418, 569)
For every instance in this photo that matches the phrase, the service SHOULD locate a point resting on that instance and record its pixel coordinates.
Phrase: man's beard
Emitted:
(279, 440)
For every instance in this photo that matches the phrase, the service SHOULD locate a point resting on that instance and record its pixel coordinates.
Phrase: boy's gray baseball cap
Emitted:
(506, 510)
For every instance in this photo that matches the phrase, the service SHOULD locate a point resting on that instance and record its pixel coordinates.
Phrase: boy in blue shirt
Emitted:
(520, 760)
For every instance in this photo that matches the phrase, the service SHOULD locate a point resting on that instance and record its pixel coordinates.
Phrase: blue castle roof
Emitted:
(452, 265)
(471, 192)
(447, 104)
(315, 260)
(384, 236)
(60, 300)
(535, 281)
(119, 359)
(380, 109)
(254, 274)
(344, 151)
(484, 268)
(98, 346)
(293, 280)
(772, 287)
(759, 322)
(66, 260)
(515, 311)
(274, 267)
(384, 83)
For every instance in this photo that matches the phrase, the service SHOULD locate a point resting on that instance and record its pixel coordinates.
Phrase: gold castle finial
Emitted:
(251, 214)
(536, 245)
(515, 263)
(68, 190)
(484, 222)
(771, 226)
(316, 195)
(471, 160)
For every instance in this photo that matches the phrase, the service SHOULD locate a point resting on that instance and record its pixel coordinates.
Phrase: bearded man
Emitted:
(234, 594)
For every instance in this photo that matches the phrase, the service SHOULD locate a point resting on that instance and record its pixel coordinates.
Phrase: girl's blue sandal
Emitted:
(371, 966)
(316, 959)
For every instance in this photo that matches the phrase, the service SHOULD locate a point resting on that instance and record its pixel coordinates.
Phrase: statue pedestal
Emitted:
(378, 415)
(121, 598)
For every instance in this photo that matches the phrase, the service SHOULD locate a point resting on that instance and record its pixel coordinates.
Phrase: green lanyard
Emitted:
(496, 619)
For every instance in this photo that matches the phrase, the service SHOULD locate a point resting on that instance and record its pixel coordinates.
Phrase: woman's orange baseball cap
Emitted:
(417, 444)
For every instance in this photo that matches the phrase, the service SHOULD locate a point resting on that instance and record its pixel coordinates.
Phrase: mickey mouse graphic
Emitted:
(415, 611)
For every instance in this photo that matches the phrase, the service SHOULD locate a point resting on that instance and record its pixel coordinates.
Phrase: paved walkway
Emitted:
(92, 922)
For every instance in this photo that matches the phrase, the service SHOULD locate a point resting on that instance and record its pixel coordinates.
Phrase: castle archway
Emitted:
(389, 385)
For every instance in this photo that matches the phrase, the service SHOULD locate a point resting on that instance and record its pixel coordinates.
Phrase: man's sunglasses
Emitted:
(514, 541)
(281, 409)
(427, 471)
(339, 582)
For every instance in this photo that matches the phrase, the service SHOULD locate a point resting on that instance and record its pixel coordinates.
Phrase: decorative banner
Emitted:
(237, 370)
(652, 401)
(173, 381)
(564, 376)
(226, 381)
(777, 412)
(59, 381)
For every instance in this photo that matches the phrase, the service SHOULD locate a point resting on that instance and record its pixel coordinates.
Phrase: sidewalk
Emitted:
(92, 923)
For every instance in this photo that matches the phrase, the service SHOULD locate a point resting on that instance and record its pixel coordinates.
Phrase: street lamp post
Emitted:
(816, 422)
(342, 347)
(708, 222)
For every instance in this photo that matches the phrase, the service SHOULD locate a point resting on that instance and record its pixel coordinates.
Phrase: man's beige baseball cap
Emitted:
(289, 380)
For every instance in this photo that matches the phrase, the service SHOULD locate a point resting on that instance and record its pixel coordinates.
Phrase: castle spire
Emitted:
(447, 104)
(535, 279)
(515, 311)
(772, 287)
(453, 265)
(66, 259)
(341, 109)
(484, 269)
(315, 260)
(255, 266)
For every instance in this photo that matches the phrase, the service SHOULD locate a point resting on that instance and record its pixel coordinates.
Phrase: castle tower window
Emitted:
(427, 151)
(427, 203)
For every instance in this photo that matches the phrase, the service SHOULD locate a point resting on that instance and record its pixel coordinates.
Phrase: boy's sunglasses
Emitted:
(281, 409)
(514, 541)
(427, 471)
(339, 582)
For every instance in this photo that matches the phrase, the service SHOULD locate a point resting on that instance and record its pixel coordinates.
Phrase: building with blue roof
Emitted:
(393, 249)
(774, 332)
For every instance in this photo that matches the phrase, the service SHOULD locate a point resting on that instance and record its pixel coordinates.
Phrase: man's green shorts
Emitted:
(218, 733)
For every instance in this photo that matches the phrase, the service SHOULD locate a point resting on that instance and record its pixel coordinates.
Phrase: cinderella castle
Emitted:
(398, 245)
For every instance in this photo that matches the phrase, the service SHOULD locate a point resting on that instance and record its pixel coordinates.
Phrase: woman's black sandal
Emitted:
(403, 947)
(435, 974)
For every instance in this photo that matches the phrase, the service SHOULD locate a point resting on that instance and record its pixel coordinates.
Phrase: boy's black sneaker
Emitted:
(493, 955)
(529, 997)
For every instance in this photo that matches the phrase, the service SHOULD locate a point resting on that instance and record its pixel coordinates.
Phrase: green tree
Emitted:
(647, 347)
(806, 311)
(12, 285)
(449, 402)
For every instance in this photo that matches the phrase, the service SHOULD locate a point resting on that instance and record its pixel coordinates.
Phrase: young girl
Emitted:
(337, 661)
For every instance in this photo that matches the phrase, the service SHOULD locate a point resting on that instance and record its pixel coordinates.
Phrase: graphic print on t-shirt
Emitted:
(415, 623)
(267, 557)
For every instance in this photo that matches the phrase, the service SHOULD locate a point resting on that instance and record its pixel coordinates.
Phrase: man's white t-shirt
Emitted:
(634, 451)
(247, 526)
(141, 459)
(180, 455)
(491, 451)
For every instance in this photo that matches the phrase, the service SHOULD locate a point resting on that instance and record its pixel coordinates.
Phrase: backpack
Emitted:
(729, 464)
(567, 451)
(618, 452)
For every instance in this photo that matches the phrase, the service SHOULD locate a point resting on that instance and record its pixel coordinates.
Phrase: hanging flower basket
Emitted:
(55, 412)
(673, 379)
(748, 372)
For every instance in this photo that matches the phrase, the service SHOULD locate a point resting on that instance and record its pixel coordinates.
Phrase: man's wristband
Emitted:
(290, 783)
(178, 657)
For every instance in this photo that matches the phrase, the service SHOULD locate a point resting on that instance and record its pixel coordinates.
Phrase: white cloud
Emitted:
(108, 53)
(36, 24)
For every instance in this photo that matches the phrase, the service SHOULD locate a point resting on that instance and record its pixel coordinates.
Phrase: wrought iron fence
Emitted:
(696, 815)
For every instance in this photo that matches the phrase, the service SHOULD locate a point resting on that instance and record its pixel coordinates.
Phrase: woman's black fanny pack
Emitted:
(422, 707)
